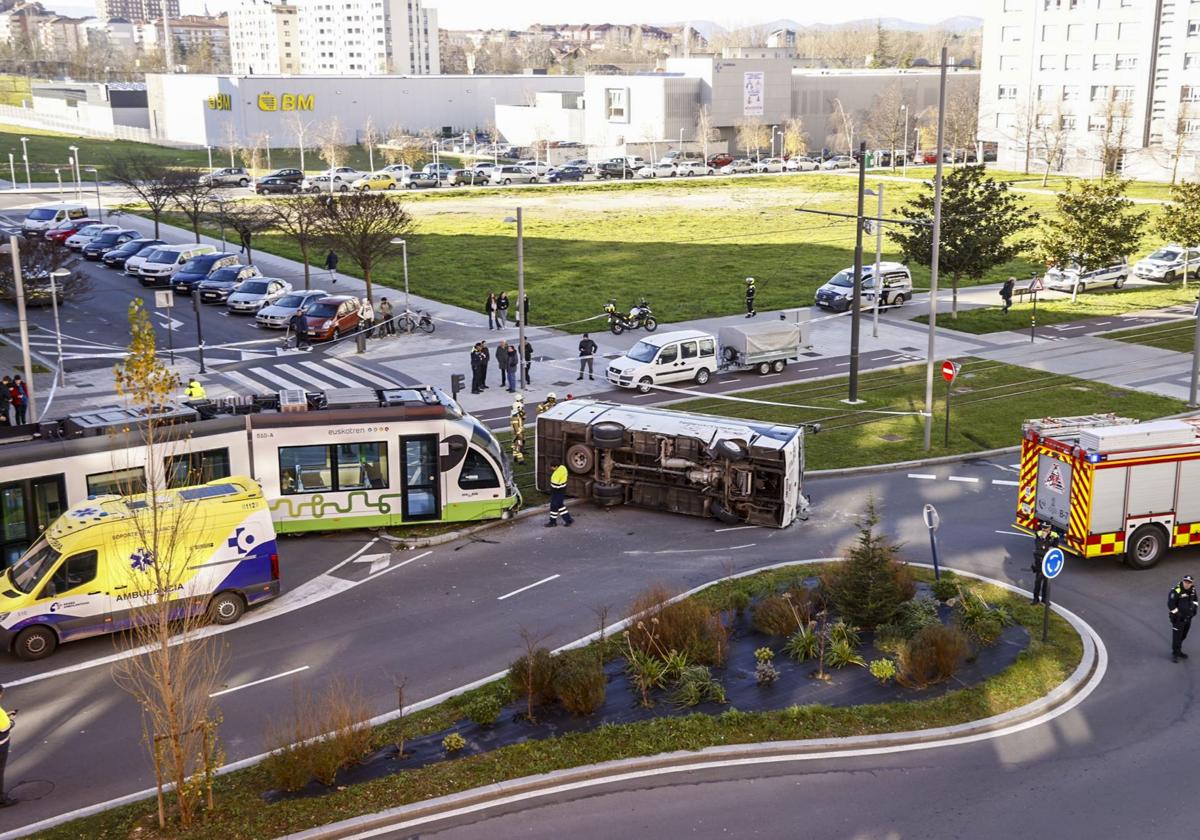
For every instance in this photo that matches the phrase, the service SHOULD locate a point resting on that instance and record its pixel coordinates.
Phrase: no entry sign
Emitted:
(950, 370)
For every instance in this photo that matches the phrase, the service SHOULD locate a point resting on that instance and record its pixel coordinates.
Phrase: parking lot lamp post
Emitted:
(96, 175)
(58, 175)
(25, 157)
(518, 219)
(199, 332)
(774, 128)
(78, 176)
(878, 223)
(404, 251)
(209, 150)
(55, 276)
(12, 169)
(22, 322)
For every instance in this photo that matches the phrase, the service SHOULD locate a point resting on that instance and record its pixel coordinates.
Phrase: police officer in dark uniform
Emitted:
(751, 291)
(477, 368)
(1045, 540)
(1181, 608)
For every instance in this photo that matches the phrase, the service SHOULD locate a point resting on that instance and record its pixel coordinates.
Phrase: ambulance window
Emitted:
(75, 571)
(118, 482)
(477, 473)
(197, 467)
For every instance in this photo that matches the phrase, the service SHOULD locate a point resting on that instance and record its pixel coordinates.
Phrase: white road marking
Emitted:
(804, 370)
(336, 377)
(1013, 533)
(276, 378)
(259, 682)
(642, 396)
(767, 375)
(926, 476)
(300, 374)
(362, 374)
(1076, 327)
(735, 528)
(246, 381)
(964, 478)
(526, 588)
(842, 364)
(1006, 482)
(395, 566)
(1101, 323)
(1015, 466)
(378, 562)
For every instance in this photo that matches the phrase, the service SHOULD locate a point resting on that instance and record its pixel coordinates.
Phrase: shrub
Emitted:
(697, 685)
(932, 655)
(484, 710)
(646, 672)
(733, 717)
(687, 626)
(739, 599)
(883, 670)
(802, 644)
(765, 671)
(945, 587)
(453, 742)
(808, 602)
(322, 735)
(534, 680)
(774, 616)
(579, 681)
(978, 619)
(840, 631)
(676, 663)
(914, 615)
(870, 585)
(841, 653)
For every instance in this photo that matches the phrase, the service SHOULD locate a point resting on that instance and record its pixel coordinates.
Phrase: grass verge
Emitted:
(989, 403)
(1178, 335)
(241, 814)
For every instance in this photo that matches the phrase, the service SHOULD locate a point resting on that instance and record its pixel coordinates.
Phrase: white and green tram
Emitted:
(350, 458)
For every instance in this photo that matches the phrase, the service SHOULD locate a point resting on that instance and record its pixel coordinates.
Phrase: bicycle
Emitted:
(410, 322)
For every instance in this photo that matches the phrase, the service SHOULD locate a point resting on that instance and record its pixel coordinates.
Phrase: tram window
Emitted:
(361, 466)
(197, 467)
(119, 482)
(75, 571)
(305, 469)
(477, 473)
(338, 468)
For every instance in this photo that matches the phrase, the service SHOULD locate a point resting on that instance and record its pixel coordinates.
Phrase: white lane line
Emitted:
(1102, 323)
(842, 364)
(247, 382)
(355, 370)
(526, 588)
(767, 375)
(1076, 327)
(336, 377)
(395, 566)
(1015, 466)
(964, 478)
(737, 379)
(276, 378)
(735, 528)
(259, 682)
(926, 476)
(701, 550)
(1006, 482)
(305, 375)
(1013, 533)
(643, 396)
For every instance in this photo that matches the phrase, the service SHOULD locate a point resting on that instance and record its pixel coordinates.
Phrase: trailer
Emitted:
(766, 347)
(1111, 486)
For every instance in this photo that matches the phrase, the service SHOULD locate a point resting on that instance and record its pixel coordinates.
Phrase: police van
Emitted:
(96, 566)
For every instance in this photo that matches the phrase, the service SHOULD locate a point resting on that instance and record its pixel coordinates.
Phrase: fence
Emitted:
(28, 118)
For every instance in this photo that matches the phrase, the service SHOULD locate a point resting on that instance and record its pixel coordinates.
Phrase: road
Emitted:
(439, 619)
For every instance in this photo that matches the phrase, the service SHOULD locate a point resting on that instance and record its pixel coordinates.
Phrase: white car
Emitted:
(86, 234)
(582, 163)
(769, 165)
(737, 166)
(800, 164)
(344, 174)
(1167, 263)
(1065, 279)
(539, 169)
(505, 175)
(694, 167)
(277, 315)
(253, 295)
(397, 169)
(657, 170)
(839, 162)
(322, 184)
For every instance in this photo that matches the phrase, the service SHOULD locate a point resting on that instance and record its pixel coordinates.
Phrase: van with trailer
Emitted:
(45, 216)
(737, 471)
(1111, 486)
(210, 547)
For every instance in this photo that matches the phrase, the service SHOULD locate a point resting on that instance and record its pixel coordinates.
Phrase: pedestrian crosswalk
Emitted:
(294, 372)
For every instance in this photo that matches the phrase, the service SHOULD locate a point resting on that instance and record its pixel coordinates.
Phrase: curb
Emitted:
(920, 462)
(1063, 697)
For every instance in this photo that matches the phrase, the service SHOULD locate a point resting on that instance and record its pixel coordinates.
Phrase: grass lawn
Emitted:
(1088, 305)
(990, 401)
(14, 90)
(1033, 180)
(1179, 336)
(240, 813)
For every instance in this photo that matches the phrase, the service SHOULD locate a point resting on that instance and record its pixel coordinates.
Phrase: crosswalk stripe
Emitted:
(274, 377)
(363, 374)
(336, 377)
(247, 382)
(304, 376)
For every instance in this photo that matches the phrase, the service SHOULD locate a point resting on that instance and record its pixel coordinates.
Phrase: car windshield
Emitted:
(41, 214)
(290, 301)
(1168, 254)
(197, 264)
(643, 352)
(161, 255)
(107, 238)
(225, 275)
(253, 287)
(844, 279)
(323, 310)
(31, 568)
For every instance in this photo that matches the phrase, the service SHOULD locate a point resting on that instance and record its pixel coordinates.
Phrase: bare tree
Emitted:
(38, 258)
(299, 128)
(1182, 137)
(705, 130)
(252, 153)
(884, 125)
(962, 119)
(329, 142)
(795, 138)
(192, 194)
(152, 183)
(1025, 129)
(1114, 134)
(752, 135)
(842, 138)
(1052, 139)
(300, 219)
(231, 143)
(370, 139)
(245, 220)
(361, 226)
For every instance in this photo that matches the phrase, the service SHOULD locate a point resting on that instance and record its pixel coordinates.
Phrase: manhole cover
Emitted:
(912, 349)
(31, 790)
(891, 438)
(812, 355)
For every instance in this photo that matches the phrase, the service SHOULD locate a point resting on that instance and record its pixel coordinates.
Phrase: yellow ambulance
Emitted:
(210, 547)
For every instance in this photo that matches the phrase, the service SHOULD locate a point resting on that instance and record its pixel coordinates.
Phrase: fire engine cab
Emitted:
(1111, 486)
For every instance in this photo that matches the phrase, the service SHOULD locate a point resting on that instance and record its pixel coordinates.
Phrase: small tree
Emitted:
(882, 56)
(147, 179)
(39, 258)
(795, 138)
(1180, 219)
(299, 128)
(752, 135)
(1114, 134)
(982, 227)
(962, 119)
(870, 585)
(1052, 136)
(192, 195)
(705, 130)
(1095, 227)
(362, 226)
(885, 121)
(1182, 137)
(252, 153)
(370, 139)
(329, 142)
(842, 138)
(1025, 129)
(299, 218)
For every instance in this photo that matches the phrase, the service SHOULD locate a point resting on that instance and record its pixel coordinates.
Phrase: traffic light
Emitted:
(457, 383)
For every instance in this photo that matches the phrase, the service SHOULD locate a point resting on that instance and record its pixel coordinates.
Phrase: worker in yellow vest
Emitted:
(5, 733)
(558, 498)
(194, 390)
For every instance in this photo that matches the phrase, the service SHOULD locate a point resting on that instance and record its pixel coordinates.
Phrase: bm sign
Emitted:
(220, 102)
(285, 102)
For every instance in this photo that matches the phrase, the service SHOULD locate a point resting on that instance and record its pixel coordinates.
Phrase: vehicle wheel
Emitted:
(243, 183)
(1083, 287)
(644, 384)
(343, 188)
(410, 186)
(1147, 547)
(580, 459)
(778, 365)
(1120, 282)
(730, 450)
(226, 608)
(608, 435)
(729, 353)
(506, 181)
(702, 376)
(391, 186)
(533, 180)
(427, 325)
(764, 368)
(1169, 276)
(295, 191)
(719, 511)
(651, 325)
(900, 300)
(616, 327)
(608, 495)
(36, 642)
(337, 333)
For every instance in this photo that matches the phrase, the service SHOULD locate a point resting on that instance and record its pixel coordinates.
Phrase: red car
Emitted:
(59, 233)
(331, 317)
(723, 159)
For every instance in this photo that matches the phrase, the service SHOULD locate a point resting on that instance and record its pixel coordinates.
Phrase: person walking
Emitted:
(489, 306)
(587, 352)
(558, 498)
(502, 311)
(366, 315)
(1045, 540)
(194, 390)
(751, 291)
(511, 360)
(528, 358)
(1181, 609)
(387, 319)
(6, 728)
(1006, 293)
(5, 400)
(245, 242)
(477, 364)
(331, 264)
(18, 395)
(487, 360)
(298, 324)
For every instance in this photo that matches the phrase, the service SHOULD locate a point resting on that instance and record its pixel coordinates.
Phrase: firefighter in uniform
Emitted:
(1181, 607)
(551, 401)
(516, 420)
(558, 498)
(751, 291)
(1045, 540)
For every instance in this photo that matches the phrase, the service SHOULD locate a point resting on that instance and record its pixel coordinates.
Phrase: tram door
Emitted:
(419, 472)
(26, 509)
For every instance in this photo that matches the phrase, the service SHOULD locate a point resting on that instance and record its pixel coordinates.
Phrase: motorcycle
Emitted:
(639, 316)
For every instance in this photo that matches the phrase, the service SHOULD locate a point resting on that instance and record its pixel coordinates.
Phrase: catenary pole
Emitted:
(856, 299)
(933, 262)
(22, 321)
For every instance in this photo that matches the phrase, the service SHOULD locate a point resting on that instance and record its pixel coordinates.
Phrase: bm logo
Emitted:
(241, 541)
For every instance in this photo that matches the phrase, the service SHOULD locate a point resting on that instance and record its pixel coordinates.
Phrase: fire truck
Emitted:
(1111, 486)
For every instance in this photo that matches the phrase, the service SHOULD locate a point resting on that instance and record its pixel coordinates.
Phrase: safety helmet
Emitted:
(551, 396)
(749, 281)
(558, 478)
(518, 397)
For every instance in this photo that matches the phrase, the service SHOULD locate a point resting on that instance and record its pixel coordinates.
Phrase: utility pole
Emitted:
(1195, 359)
(933, 262)
(521, 297)
(22, 321)
(856, 300)
(879, 289)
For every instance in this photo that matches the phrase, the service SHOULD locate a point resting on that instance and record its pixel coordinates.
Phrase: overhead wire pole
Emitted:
(22, 321)
(933, 262)
(856, 300)
(1195, 382)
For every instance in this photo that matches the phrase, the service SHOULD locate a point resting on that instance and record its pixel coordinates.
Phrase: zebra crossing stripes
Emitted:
(329, 374)
(381, 381)
(271, 376)
(303, 375)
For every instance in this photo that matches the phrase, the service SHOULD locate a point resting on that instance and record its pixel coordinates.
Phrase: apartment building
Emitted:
(135, 10)
(190, 35)
(264, 37)
(1090, 86)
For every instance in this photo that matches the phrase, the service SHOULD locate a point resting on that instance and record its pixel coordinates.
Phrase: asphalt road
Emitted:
(441, 619)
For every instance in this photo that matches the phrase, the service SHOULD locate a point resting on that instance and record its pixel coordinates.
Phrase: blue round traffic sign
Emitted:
(1053, 562)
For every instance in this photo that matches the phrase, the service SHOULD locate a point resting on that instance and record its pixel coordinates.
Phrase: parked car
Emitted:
(252, 295)
(86, 234)
(323, 184)
(616, 168)
(276, 315)
(770, 165)
(694, 167)
(230, 176)
(539, 169)
(738, 166)
(220, 284)
(295, 176)
(582, 163)
(41, 219)
(331, 317)
(375, 181)
(464, 177)
(117, 256)
(800, 164)
(397, 169)
(838, 293)
(343, 174)
(276, 186)
(68, 227)
(420, 180)
(565, 173)
(838, 162)
(509, 174)
(720, 159)
(1066, 279)
(657, 170)
(160, 265)
(198, 269)
(1167, 263)
(107, 241)
(441, 170)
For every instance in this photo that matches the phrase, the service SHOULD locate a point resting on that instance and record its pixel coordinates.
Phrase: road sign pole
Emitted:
(949, 386)
(199, 333)
(1045, 610)
(1033, 318)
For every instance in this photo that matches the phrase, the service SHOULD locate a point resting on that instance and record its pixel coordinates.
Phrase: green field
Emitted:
(990, 401)
(14, 90)
(1178, 335)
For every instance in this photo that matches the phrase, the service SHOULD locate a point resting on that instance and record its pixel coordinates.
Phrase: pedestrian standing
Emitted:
(528, 356)
(1181, 608)
(751, 291)
(487, 360)
(5, 400)
(18, 395)
(558, 498)
(502, 311)
(1043, 542)
(366, 316)
(587, 352)
(511, 359)
(489, 306)
(502, 361)
(6, 727)
(477, 364)
(387, 320)
(331, 263)
(298, 324)
(1006, 293)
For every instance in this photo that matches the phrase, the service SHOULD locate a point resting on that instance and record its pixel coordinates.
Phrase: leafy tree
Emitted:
(361, 226)
(795, 138)
(1180, 219)
(882, 56)
(1096, 225)
(982, 227)
(299, 218)
(869, 587)
(752, 135)
(152, 183)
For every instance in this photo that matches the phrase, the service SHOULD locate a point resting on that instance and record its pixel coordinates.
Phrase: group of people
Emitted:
(508, 358)
(374, 321)
(14, 400)
(496, 307)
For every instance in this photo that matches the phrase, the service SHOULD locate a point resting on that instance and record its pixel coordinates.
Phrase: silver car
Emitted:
(505, 175)
(230, 176)
(277, 315)
(253, 295)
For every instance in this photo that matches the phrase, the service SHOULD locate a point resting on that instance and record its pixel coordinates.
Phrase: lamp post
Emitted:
(209, 150)
(681, 142)
(99, 207)
(75, 163)
(22, 321)
(268, 145)
(774, 128)
(518, 219)
(25, 157)
(404, 251)
(12, 169)
(878, 223)
(58, 175)
(904, 108)
(55, 276)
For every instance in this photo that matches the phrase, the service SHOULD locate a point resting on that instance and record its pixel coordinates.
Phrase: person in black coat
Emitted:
(528, 360)
(1045, 540)
(502, 310)
(1181, 609)
(587, 353)
(298, 324)
(5, 400)
(1006, 293)
(487, 357)
(331, 264)
(477, 365)
(489, 306)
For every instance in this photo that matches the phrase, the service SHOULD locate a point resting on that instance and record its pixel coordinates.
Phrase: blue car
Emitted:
(566, 173)
(198, 269)
(106, 242)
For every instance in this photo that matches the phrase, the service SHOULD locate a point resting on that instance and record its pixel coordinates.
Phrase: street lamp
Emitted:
(209, 150)
(681, 142)
(55, 276)
(75, 164)
(12, 170)
(774, 128)
(99, 208)
(25, 157)
(404, 250)
(58, 175)
(520, 292)
(903, 108)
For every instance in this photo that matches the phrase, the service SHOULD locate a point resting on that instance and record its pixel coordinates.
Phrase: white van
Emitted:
(162, 262)
(838, 293)
(680, 356)
(48, 215)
